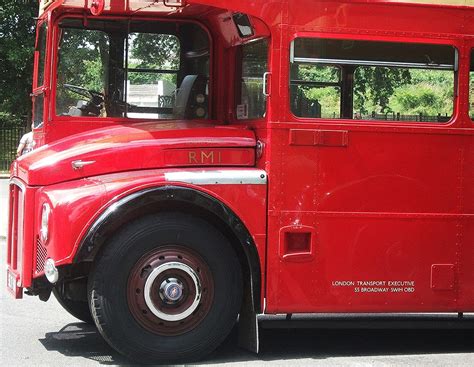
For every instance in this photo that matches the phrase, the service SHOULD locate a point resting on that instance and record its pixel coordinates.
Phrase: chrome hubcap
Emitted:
(171, 290)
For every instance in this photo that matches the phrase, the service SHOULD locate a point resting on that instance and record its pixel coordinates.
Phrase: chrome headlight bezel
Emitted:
(44, 223)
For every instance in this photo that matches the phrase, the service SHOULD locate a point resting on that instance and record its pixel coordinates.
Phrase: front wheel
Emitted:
(167, 289)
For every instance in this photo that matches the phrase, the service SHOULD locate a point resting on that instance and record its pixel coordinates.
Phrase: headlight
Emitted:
(44, 230)
(50, 271)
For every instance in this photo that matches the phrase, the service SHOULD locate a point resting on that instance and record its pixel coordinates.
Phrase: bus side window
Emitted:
(316, 90)
(372, 80)
(250, 100)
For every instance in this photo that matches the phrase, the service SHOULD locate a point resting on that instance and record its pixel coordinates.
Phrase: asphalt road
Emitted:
(35, 333)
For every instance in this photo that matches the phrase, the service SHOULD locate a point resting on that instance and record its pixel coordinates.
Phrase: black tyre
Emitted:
(167, 289)
(78, 309)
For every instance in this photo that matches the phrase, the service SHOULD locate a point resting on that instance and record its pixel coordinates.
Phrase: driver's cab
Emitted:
(192, 63)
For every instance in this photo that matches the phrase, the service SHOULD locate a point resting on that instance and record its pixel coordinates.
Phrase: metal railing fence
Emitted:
(9, 139)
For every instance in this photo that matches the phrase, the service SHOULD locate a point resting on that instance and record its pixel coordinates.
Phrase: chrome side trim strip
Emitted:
(219, 177)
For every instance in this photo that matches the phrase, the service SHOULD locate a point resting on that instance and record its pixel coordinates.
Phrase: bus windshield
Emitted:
(131, 69)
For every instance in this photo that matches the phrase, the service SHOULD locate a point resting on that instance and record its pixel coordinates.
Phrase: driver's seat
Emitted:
(78, 109)
(186, 105)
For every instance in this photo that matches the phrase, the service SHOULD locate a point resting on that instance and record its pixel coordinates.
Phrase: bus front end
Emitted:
(149, 129)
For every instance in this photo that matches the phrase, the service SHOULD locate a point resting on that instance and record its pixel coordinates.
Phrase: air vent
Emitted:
(41, 254)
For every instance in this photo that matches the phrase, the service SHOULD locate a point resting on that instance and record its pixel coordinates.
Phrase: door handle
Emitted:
(266, 76)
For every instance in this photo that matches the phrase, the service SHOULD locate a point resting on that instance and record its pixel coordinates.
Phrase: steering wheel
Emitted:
(95, 99)
(88, 93)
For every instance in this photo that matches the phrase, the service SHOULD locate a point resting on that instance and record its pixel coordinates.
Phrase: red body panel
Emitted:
(357, 216)
(138, 146)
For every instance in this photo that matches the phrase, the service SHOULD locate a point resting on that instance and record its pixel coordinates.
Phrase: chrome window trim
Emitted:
(412, 65)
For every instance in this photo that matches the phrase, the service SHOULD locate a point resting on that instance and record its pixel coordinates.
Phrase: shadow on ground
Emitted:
(83, 340)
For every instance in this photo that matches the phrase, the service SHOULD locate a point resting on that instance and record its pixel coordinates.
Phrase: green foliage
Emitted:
(17, 29)
(150, 78)
(80, 63)
(8, 119)
(83, 55)
(154, 51)
(373, 86)
(430, 93)
(422, 98)
(318, 73)
(328, 97)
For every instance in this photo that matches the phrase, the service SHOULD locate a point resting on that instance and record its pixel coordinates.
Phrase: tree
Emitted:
(375, 85)
(17, 37)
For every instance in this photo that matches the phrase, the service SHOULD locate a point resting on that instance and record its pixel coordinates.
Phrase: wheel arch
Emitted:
(181, 199)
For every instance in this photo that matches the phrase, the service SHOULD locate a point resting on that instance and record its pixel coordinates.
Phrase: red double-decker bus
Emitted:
(197, 160)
